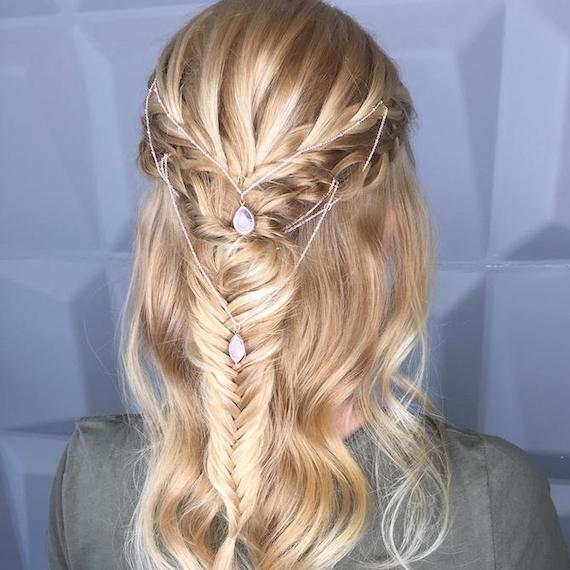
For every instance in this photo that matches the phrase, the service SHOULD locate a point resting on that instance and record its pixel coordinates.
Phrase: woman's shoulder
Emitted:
(496, 467)
(499, 485)
(470, 448)
(101, 433)
(104, 451)
(108, 423)
(497, 460)
(94, 492)
(109, 442)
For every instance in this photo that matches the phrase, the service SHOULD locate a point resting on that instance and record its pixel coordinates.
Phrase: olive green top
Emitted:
(502, 515)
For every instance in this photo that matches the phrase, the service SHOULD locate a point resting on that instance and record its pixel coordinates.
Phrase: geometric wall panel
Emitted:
(528, 375)
(56, 341)
(490, 81)
(27, 464)
(457, 328)
(533, 143)
(101, 5)
(18, 9)
(46, 173)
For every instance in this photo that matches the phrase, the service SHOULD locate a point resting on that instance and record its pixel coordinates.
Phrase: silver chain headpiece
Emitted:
(243, 219)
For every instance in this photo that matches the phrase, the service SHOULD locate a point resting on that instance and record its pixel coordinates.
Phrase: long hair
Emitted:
(242, 464)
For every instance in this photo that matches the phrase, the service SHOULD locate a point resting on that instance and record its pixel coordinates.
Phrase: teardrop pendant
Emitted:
(236, 348)
(243, 220)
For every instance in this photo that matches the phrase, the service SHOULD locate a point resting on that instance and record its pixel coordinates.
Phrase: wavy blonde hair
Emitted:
(242, 465)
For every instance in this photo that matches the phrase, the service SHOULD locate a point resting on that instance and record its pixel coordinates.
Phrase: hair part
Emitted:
(242, 465)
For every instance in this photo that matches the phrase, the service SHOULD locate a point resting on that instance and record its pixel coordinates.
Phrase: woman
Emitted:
(282, 276)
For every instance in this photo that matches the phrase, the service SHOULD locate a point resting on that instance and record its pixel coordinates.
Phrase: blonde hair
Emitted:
(242, 465)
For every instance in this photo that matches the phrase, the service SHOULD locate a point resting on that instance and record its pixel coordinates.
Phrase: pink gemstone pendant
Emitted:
(236, 348)
(243, 220)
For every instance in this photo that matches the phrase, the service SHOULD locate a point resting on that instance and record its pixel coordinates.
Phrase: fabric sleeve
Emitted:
(55, 534)
(527, 534)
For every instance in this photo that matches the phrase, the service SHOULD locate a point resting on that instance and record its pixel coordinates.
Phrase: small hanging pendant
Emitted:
(236, 348)
(243, 220)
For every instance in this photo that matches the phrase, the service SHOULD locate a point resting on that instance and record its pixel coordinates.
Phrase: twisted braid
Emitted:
(237, 401)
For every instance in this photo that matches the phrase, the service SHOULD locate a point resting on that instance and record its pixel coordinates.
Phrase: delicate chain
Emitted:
(377, 139)
(305, 217)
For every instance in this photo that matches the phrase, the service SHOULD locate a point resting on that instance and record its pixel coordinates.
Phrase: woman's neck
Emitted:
(347, 421)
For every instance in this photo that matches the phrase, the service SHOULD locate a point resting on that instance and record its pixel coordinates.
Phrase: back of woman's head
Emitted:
(243, 462)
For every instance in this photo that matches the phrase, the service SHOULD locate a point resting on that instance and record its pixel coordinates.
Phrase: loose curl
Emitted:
(242, 465)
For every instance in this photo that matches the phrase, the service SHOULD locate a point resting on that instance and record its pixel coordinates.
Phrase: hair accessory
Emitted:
(243, 219)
